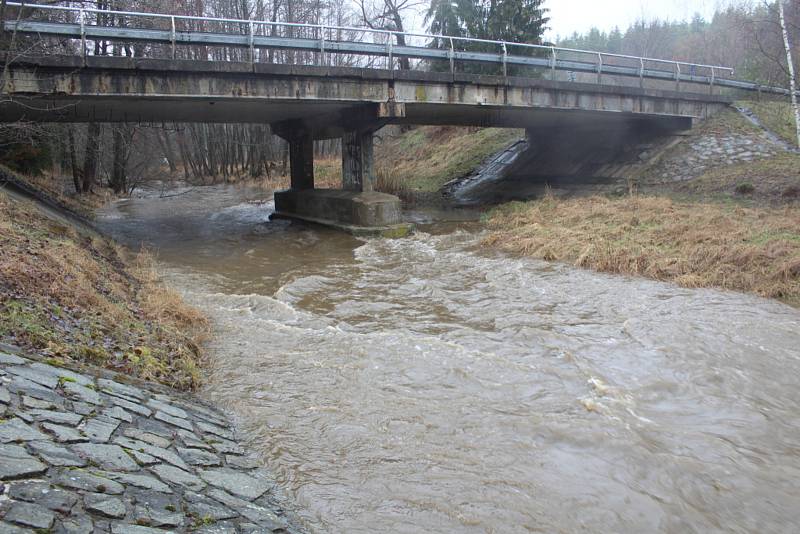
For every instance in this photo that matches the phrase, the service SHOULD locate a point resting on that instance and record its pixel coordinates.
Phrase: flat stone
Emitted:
(214, 429)
(123, 528)
(157, 427)
(15, 462)
(42, 494)
(115, 388)
(44, 379)
(55, 454)
(191, 440)
(140, 481)
(30, 515)
(201, 506)
(110, 457)
(131, 406)
(167, 408)
(249, 510)
(82, 393)
(202, 412)
(177, 476)
(62, 418)
(64, 374)
(160, 453)
(38, 404)
(235, 482)
(82, 408)
(104, 505)
(75, 524)
(226, 527)
(16, 430)
(177, 421)
(8, 528)
(64, 434)
(242, 462)
(143, 458)
(118, 413)
(80, 479)
(157, 516)
(5, 396)
(226, 446)
(11, 359)
(99, 428)
(147, 437)
(199, 457)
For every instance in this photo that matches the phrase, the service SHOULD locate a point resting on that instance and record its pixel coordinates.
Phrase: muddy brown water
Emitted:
(427, 385)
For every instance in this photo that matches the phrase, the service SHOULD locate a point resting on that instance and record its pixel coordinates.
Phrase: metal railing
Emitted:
(254, 35)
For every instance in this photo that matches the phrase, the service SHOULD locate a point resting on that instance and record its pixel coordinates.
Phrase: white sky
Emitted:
(567, 16)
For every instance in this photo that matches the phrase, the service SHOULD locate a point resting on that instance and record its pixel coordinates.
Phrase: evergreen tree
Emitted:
(516, 21)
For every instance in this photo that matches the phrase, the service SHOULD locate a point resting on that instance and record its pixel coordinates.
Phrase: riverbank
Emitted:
(85, 452)
(71, 295)
(692, 244)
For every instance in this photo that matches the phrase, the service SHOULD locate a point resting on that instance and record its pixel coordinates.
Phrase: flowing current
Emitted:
(428, 385)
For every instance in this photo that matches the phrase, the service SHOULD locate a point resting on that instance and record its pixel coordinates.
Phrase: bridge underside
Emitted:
(307, 103)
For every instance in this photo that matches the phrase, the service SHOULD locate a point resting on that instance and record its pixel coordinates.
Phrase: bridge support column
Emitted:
(301, 161)
(358, 168)
(356, 208)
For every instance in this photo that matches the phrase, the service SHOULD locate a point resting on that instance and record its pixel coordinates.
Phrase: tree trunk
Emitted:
(73, 160)
(91, 156)
(790, 64)
(118, 179)
(166, 149)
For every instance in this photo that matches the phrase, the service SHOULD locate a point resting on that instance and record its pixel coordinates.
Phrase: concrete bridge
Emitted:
(307, 102)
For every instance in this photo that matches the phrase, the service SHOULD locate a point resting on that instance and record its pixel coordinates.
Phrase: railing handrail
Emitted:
(391, 33)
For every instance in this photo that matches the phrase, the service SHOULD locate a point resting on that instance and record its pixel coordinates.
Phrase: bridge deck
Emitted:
(116, 89)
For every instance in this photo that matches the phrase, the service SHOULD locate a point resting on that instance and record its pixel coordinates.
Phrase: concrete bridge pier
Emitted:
(356, 207)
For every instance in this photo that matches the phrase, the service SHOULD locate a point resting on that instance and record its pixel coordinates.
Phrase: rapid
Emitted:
(427, 384)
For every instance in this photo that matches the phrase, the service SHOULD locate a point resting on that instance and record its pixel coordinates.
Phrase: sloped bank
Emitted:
(81, 451)
(86, 443)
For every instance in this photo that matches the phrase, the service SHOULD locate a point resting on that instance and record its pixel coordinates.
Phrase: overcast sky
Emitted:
(567, 16)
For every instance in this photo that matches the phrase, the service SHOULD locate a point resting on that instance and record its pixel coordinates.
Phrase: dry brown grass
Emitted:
(78, 297)
(692, 244)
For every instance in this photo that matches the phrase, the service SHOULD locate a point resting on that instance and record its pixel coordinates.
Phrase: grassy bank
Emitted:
(776, 117)
(693, 244)
(425, 158)
(74, 296)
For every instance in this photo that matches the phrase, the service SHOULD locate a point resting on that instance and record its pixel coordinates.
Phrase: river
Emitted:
(428, 385)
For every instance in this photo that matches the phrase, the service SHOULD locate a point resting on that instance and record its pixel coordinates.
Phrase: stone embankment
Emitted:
(83, 452)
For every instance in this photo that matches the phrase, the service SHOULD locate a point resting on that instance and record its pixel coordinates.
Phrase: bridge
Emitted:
(543, 89)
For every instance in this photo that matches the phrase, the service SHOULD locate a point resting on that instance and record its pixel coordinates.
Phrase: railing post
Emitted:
(505, 61)
(677, 76)
(711, 86)
(83, 36)
(641, 73)
(599, 68)
(389, 45)
(452, 54)
(172, 35)
(553, 63)
(252, 42)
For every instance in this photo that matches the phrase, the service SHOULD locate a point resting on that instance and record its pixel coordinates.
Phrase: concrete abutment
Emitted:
(356, 208)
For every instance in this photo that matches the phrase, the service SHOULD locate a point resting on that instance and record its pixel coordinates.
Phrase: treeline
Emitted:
(746, 37)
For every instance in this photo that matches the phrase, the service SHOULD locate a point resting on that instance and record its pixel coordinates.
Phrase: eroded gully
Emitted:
(428, 385)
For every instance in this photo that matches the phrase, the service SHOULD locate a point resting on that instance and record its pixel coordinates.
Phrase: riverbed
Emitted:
(427, 384)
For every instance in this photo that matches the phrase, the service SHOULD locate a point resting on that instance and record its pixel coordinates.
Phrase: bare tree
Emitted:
(790, 65)
(388, 15)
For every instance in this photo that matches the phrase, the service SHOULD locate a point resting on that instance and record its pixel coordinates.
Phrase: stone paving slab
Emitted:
(82, 452)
